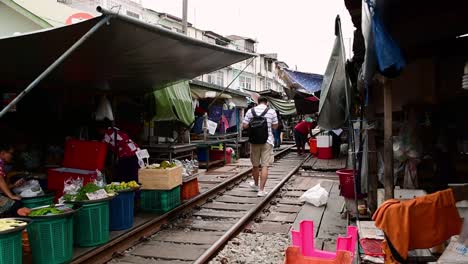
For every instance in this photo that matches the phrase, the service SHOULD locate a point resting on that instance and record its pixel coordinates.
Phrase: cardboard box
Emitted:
(160, 179)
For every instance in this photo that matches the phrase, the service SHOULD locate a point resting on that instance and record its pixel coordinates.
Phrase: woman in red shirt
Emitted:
(125, 149)
(301, 130)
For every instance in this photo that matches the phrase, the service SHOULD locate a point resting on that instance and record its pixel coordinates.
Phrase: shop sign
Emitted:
(77, 17)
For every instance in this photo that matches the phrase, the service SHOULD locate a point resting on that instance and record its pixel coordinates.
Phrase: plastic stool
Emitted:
(304, 239)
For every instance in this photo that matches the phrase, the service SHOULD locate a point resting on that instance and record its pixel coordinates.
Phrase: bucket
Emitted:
(313, 146)
(347, 183)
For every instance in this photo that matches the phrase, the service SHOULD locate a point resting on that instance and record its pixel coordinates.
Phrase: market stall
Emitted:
(72, 75)
(218, 114)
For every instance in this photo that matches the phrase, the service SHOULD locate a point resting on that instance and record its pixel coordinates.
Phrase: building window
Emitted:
(220, 78)
(245, 82)
(268, 65)
(133, 14)
(211, 78)
(268, 85)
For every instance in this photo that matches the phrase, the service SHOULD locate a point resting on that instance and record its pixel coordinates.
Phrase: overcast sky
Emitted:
(300, 31)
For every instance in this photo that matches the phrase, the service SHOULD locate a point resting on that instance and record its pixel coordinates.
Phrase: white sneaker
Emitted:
(253, 186)
(262, 193)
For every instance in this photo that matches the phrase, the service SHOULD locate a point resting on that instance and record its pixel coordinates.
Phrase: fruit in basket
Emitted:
(115, 187)
(24, 211)
(7, 224)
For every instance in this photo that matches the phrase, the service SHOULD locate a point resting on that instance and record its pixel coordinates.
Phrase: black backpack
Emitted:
(258, 128)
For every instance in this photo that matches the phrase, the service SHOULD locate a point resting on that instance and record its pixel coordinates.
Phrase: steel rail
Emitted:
(237, 227)
(106, 252)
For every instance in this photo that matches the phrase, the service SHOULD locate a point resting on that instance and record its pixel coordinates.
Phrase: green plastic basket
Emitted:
(51, 240)
(38, 201)
(160, 201)
(11, 249)
(92, 224)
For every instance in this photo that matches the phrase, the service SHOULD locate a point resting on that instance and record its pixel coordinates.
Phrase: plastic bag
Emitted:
(316, 195)
(30, 188)
(463, 238)
(100, 180)
(72, 186)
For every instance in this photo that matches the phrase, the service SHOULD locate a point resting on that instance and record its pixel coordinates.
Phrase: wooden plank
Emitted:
(218, 214)
(234, 199)
(165, 250)
(293, 194)
(207, 225)
(388, 141)
(139, 260)
(281, 217)
(332, 224)
(274, 228)
(290, 201)
(372, 175)
(228, 206)
(287, 209)
(242, 193)
(310, 212)
(194, 237)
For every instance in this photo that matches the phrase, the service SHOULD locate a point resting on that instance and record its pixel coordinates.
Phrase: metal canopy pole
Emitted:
(54, 65)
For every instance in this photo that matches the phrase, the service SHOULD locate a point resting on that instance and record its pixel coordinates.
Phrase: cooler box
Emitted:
(56, 178)
(324, 147)
(324, 141)
(325, 153)
(81, 159)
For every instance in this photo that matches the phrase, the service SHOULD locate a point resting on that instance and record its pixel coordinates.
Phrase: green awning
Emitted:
(174, 103)
(284, 107)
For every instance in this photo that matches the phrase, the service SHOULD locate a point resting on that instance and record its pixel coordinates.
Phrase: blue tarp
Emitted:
(310, 82)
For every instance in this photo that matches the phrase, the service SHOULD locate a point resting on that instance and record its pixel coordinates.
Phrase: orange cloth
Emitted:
(419, 223)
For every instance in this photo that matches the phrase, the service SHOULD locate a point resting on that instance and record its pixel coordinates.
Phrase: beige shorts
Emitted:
(261, 154)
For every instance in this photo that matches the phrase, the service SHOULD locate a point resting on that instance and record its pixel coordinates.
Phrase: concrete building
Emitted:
(132, 8)
(257, 75)
(21, 16)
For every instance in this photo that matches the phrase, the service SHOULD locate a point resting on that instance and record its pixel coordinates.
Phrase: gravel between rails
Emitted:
(258, 248)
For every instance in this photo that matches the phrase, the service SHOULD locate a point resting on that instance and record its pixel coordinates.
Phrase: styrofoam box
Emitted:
(400, 194)
(324, 141)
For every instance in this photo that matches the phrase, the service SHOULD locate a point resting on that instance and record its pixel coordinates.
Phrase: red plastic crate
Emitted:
(325, 153)
(84, 155)
(56, 178)
(189, 189)
(219, 155)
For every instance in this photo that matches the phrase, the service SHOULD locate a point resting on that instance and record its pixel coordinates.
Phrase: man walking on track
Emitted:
(260, 121)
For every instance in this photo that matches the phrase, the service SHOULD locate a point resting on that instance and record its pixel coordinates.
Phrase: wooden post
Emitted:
(205, 126)
(388, 142)
(373, 180)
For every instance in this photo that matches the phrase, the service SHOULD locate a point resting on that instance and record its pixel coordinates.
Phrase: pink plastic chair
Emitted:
(304, 239)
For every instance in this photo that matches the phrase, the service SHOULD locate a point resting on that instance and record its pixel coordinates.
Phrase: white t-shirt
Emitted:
(270, 117)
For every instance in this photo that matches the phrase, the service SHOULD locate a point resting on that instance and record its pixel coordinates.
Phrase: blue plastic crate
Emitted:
(201, 154)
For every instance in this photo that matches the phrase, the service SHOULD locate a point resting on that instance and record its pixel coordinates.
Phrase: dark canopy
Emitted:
(124, 55)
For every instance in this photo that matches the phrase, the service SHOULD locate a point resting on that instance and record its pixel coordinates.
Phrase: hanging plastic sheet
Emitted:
(284, 107)
(335, 95)
(174, 103)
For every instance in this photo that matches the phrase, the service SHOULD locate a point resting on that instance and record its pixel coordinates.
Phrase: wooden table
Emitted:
(201, 144)
(171, 151)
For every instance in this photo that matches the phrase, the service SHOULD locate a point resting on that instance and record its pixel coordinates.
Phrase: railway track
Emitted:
(195, 231)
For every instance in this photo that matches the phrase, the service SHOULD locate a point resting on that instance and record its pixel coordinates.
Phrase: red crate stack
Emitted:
(81, 159)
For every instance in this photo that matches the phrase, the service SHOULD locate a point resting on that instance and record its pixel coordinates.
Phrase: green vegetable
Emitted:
(45, 211)
(88, 188)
